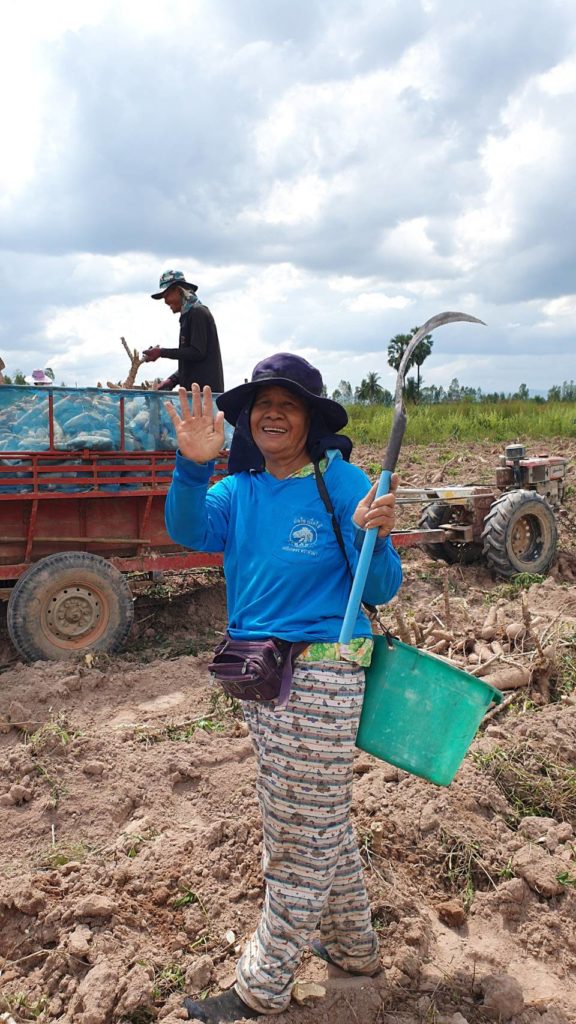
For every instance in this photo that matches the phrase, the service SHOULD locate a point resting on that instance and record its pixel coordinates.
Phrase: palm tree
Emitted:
(370, 390)
(398, 345)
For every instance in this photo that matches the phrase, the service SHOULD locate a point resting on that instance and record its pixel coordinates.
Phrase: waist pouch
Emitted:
(259, 670)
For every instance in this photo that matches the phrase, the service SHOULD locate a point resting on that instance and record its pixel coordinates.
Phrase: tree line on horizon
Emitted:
(371, 392)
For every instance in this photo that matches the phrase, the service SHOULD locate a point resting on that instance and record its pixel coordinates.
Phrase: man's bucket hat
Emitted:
(287, 371)
(169, 278)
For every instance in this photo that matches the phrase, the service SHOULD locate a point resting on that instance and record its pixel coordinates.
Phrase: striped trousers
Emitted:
(312, 867)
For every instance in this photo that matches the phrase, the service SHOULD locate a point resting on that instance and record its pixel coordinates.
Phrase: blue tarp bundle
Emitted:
(83, 418)
(86, 418)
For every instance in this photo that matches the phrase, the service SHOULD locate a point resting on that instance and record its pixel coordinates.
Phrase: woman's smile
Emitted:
(279, 422)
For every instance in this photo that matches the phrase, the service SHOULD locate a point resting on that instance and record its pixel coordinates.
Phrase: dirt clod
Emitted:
(452, 913)
(502, 995)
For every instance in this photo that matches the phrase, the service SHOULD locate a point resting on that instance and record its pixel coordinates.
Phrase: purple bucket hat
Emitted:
(287, 371)
(39, 377)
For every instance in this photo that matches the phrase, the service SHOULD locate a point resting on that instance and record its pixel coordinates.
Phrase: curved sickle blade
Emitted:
(388, 466)
(435, 321)
(399, 421)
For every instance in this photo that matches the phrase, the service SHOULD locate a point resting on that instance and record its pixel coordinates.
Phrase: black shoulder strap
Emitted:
(323, 491)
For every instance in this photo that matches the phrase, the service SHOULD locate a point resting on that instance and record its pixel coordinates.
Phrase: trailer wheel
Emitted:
(520, 534)
(454, 552)
(69, 603)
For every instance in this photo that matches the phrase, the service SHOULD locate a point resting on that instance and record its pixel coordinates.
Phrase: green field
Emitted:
(508, 421)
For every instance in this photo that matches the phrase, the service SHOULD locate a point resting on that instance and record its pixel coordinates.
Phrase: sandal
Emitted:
(226, 1007)
(319, 949)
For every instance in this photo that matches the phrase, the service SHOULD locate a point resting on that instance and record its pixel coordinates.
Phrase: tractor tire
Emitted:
(520, 534)
(455, 553)
(67, 604)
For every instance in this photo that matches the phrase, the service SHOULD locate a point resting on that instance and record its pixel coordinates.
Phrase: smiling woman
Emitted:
(290, 518)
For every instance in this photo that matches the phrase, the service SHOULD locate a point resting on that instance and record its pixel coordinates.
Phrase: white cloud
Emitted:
(292, 202)
(560, 80)
(329, 176)
(374, 302)
(508, 159)
(565, 306)
(84, 341)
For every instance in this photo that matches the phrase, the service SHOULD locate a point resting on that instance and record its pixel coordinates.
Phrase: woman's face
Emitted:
(279, 422)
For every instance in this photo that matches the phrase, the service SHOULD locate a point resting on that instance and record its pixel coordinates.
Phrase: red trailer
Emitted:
(72, 524)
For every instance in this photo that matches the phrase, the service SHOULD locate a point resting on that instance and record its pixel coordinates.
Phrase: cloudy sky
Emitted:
(329, 173)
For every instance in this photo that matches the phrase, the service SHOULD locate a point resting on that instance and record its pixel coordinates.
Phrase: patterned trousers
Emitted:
(312, 867)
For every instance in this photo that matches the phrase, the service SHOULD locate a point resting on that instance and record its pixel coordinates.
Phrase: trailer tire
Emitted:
(433, 518)
(520, 534)
(67, 604)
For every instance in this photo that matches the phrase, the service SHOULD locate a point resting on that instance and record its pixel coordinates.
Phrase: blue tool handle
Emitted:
(362, 568)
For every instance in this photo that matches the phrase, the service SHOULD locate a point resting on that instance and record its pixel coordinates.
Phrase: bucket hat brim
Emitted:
(179, 284)
(234, 401)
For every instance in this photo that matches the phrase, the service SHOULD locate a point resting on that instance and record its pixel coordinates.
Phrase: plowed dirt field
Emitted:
(130, 833)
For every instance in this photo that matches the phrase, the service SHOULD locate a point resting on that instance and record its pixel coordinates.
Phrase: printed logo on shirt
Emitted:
(303, 537)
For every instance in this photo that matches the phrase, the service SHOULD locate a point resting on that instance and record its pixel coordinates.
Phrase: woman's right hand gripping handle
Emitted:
(199, 433)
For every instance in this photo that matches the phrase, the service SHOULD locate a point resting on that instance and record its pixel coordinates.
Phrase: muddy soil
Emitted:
(130, 834)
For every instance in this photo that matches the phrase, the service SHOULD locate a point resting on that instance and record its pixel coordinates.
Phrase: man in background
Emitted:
(198, 352)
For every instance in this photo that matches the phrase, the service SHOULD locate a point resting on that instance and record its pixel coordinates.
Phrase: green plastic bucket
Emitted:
(420, 713)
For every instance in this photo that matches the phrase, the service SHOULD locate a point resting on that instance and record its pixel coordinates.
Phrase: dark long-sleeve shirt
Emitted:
(198, 352)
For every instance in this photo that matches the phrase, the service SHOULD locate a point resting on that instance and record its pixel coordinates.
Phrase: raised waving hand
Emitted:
(199, 433)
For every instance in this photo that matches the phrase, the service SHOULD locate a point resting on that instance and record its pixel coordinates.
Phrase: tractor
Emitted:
(511, 526)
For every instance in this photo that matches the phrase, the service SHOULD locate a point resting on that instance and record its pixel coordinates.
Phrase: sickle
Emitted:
(389, 465)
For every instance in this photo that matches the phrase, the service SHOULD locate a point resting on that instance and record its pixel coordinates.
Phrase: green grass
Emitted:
(24, 1007)
(175, 732)
(223, 707)
(135, 840)
(565, 677)
(167, 980)
(51, 735)
(188, 898)
(57, 789)
(47, 740)
(565, 878)
(507, 871)
(511, 420)
(521, 581)
(223, 711)
(462, 871)
(565, 683)
(533, 783)
(63, 853)
(522, 705)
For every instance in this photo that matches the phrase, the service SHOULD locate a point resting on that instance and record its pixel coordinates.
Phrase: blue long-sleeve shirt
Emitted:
(285, 572)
